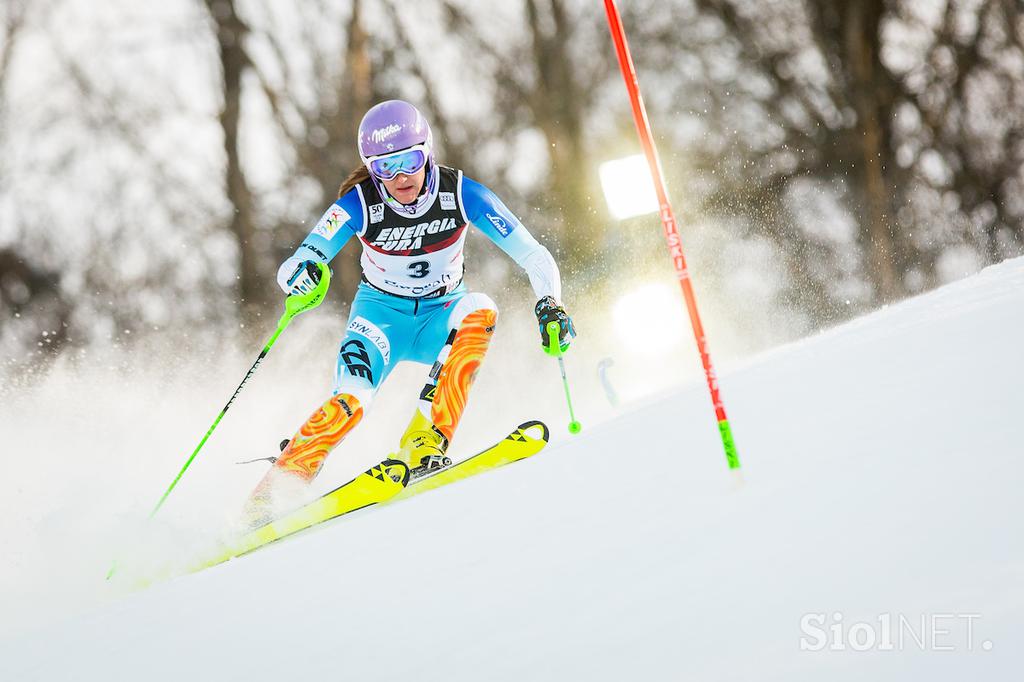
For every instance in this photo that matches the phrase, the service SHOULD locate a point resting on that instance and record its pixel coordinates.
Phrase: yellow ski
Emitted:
(379, 483)
(388, 482)
(527, 440)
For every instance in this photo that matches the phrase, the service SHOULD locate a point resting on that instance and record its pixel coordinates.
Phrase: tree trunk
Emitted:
(25, 287)
(861, 39)
(355, 102)
(558, 108)
(231, 33)
(13, 21)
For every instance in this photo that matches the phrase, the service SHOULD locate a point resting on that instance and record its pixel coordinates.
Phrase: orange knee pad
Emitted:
(459, 369)
(325, 428)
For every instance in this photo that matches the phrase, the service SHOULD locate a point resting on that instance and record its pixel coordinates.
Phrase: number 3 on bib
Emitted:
(421, 269)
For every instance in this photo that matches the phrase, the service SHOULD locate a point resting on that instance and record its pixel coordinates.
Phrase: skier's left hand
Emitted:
(547, 310)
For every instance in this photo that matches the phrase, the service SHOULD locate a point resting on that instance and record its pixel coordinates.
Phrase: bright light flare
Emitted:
(649, 319)
(628, 187)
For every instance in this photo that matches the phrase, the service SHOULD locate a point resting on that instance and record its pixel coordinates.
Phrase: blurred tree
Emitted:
(231, 33)
(318, 123)
(850, 36)
(98, 192)
(881, 133)
(961, 131)
(878, 146)
(12, 19)
(26, 287)
(546, 77)
(819, 81)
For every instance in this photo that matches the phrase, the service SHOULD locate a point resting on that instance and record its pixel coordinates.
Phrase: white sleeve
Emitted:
(540, 266)
(487, 212)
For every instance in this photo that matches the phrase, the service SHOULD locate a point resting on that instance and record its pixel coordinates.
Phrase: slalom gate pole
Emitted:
(293, 306)
(555, 350)
(668, 222)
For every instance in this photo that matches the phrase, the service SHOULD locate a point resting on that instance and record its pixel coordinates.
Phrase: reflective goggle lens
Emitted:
(407, 162)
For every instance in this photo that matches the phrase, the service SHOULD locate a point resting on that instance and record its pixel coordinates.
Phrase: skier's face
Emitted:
(405, 188)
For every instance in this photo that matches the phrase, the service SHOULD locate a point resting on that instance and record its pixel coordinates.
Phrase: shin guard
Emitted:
(456, 369)
(302, 458)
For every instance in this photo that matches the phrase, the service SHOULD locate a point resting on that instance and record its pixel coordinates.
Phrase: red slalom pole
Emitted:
(668, 221)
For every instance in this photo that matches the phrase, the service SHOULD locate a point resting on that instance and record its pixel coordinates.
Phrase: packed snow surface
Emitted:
(882, 487)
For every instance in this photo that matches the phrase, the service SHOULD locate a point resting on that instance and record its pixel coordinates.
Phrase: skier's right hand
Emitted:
(297, 276)
(547, 310)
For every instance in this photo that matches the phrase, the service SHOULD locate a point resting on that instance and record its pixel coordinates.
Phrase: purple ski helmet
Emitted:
(390, 127)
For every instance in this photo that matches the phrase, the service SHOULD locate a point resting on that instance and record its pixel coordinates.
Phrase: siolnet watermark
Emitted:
(892, 632)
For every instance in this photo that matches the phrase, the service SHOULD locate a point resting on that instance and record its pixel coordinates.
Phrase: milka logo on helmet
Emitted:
(381, 134)
(409, 238)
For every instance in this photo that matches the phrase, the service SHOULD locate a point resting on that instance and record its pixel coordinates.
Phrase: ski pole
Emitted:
(555, 350)
(293, 306)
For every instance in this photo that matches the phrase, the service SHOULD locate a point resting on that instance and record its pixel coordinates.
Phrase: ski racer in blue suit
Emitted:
(411, 217)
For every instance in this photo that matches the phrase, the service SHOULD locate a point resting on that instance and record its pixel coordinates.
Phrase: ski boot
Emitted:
(422, 447)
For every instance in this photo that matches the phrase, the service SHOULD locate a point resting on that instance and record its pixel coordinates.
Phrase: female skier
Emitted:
(411, 216)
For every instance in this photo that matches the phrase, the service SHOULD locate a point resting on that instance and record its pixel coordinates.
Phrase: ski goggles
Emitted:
(407, 162)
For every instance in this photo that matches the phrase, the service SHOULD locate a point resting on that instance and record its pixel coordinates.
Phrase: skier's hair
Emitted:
(354, 178)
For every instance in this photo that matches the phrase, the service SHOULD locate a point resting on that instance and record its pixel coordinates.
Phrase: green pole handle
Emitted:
(293, 305)
(556, 350)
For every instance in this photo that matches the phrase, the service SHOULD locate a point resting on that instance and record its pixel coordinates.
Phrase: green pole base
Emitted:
(731, 455)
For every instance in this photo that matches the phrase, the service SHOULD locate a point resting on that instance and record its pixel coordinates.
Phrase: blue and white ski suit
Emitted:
(412, 295)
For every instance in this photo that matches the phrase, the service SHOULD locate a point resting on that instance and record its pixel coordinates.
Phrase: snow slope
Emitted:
(883, 475)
